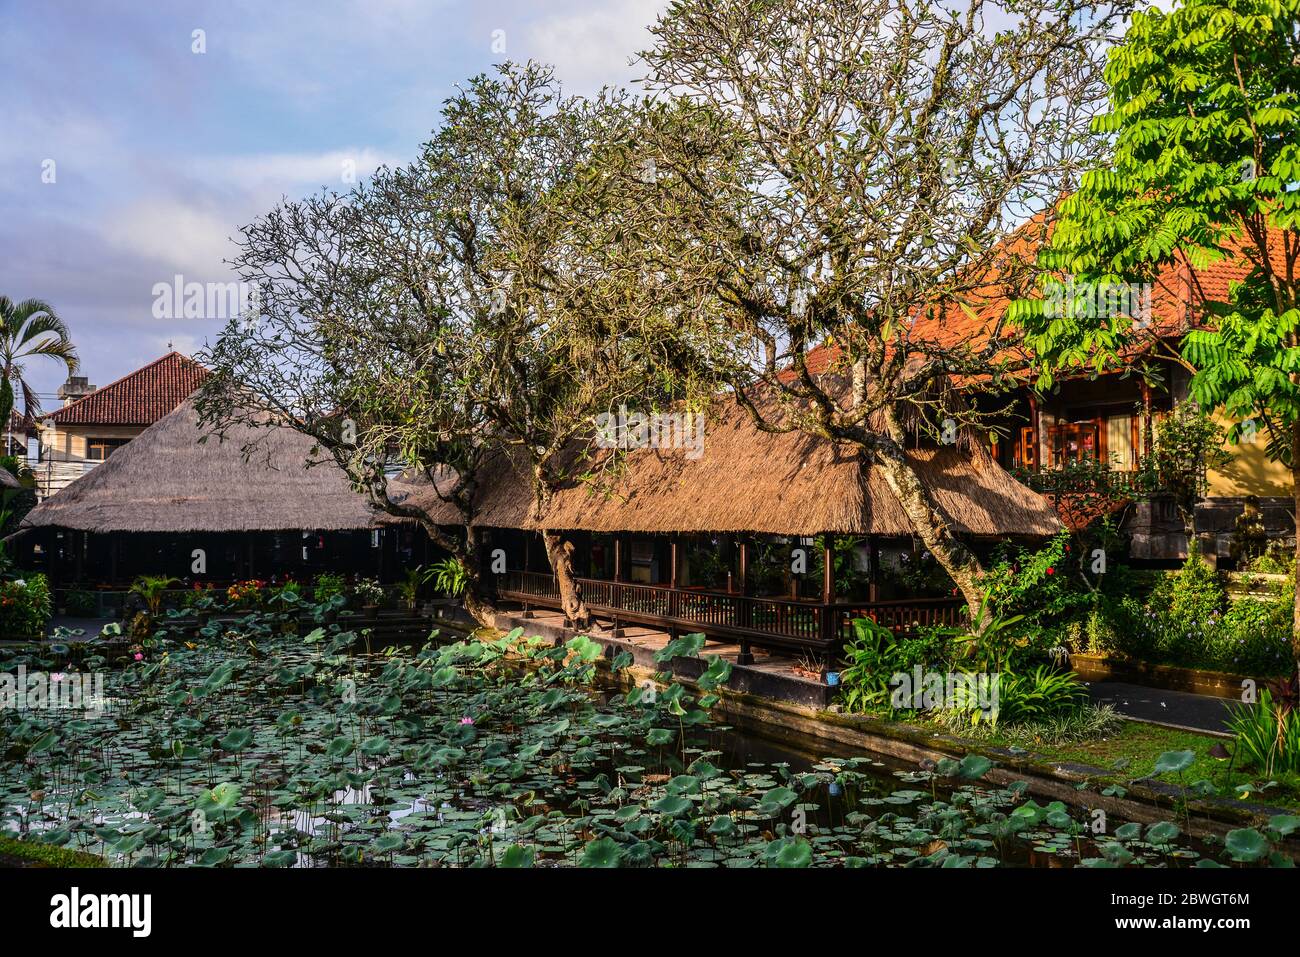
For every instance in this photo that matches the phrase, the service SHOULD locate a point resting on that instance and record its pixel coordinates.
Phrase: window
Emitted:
(1074, 442)
(97, 450)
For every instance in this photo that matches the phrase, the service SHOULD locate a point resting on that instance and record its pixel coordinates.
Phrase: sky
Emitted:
(133, 148)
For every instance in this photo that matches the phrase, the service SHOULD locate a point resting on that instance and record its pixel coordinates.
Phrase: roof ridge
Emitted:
(75, 403)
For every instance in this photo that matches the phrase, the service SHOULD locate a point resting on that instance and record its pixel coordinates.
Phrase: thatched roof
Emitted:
(747, 480)
(166, 480)
(8, 479)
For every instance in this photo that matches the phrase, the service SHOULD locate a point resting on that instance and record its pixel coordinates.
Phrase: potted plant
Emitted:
(409, 587)
(369, 593)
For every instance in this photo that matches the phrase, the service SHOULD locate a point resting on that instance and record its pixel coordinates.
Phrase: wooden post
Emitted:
(829, 618)
(873, 569)
(618, 559)
(672, 562)
(1038, 438)
(828, 568)
(744, 568)
(1146, 420)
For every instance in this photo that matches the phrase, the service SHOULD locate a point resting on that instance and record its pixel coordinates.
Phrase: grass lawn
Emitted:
(16, 853)
(1133, 751)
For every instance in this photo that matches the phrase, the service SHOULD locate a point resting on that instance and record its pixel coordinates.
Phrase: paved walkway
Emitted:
(1180, 709)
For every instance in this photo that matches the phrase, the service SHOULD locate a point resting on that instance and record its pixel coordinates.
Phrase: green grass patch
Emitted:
(1131, 753)
(14, 852)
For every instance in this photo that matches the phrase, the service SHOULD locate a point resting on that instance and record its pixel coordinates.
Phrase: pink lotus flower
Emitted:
(466, 720)
(139, 656)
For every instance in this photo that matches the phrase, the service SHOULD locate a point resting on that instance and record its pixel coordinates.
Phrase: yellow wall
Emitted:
(1250, 472)
(68, 443)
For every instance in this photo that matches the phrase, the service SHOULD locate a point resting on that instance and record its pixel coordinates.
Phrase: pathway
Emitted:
(1179, 709)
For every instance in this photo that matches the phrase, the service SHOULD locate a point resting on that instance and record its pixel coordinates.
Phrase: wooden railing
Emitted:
(779, 622)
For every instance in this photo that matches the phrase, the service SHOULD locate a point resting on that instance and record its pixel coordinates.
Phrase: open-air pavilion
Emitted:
(712, 543)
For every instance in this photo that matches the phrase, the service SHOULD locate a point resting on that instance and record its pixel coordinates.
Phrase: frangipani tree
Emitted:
(845, 168)
(468, 305)
(1205, 118)
(347, 345)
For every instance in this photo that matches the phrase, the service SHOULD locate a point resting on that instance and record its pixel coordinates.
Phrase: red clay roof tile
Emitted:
(141, 398)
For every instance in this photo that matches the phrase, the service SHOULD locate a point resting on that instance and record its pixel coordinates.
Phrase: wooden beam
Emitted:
(1146, 419)
(672, 563)
(618, 559)
(744, 568)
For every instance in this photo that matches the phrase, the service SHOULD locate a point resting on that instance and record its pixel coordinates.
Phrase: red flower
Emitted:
(1051, 571)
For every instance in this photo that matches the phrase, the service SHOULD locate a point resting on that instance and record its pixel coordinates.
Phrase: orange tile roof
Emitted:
(1178, 295)
(141, 398)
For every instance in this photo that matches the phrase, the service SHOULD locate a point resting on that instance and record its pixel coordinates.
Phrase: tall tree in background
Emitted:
(28, 329)
(545, 262)
(468, 305)
(1205, 113)
(844, 167)
(348, 345)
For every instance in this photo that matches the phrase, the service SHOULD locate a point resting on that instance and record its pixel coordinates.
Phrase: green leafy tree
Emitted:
(1187, 445)
(1205, 117)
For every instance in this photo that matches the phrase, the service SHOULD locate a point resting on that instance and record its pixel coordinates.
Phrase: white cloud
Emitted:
(291, 171)
(592, 48)
(180, 236)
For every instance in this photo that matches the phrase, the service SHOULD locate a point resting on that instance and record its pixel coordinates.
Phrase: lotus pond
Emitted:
(252, 747)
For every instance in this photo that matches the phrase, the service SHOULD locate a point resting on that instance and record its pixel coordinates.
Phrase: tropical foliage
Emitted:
(1204, 112)
(29, 329)
(25, 607)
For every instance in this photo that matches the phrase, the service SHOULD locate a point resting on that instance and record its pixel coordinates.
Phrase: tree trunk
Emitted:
(931, 527)
(1295, 494)
(475, 599)
(560, 554)
(924, 516)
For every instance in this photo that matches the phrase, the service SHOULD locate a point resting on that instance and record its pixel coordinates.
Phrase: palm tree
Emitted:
(29, 328)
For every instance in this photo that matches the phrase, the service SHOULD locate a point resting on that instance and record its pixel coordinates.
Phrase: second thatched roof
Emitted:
(748, 480)
(170, 478)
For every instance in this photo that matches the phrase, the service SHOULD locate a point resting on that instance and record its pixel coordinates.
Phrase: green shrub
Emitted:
(25, 607)
(1041, 586)
(1268, 737)
(81, 604)
(874, 655)
(38, 854)
(327, 586)
(1254, 637)
(1043, 694)
(1188, 621)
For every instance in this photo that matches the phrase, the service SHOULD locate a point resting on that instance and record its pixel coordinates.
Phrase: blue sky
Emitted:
(159, 154)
